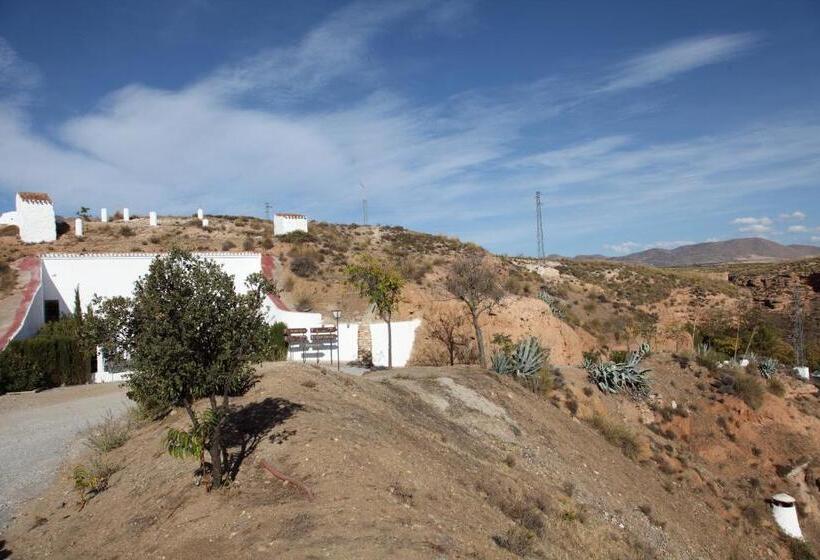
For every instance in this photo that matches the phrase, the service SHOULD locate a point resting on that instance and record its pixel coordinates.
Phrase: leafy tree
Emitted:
(381, 285)
(473, 281)
(187, 335)
(83, 212)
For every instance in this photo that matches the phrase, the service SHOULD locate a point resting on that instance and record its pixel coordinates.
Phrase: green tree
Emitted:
(381, 285)
(83, 212)
(187, 335)
(473, 281)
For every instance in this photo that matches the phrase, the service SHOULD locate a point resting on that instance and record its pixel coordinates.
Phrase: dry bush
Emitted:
(248, 244)
(127, 231)
(447, 328)
(517, 540)
(776, 387)
(304, 266)
(228, 245)
(288, 283)
(616, 434)
(304, 303)
(112, 432)
(745, 386)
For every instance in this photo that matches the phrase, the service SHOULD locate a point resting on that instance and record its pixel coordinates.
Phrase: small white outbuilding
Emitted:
(34, 217)
(285, 223)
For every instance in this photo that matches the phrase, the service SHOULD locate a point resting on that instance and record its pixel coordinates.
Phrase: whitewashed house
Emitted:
(285, 223)
(34, 217)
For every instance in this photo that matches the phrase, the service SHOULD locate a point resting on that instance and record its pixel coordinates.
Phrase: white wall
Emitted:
(36, 221)
(9, 218)
(404, 335)
(293, 319)
(287, 224)
(114, 274)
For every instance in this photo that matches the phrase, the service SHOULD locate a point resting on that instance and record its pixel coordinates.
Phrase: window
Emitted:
(52, 310)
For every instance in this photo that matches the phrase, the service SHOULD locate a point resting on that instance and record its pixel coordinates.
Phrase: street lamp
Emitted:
(336, 315)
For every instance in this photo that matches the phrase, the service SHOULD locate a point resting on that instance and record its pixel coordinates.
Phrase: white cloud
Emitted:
(815, 238)
(796, 215)
(764, 221)
(17, 76)
(623, 248)
(798, 229)
(678, 57)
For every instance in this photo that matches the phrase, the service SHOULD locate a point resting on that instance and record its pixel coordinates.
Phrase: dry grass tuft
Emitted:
(616, 434)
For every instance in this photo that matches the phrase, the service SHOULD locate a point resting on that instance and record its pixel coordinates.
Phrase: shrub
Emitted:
(276, 347)
(93, 479)
(298, 237)
(801, 550)
(288, 283)
(776, 387)
(618, 356)
(127, 231)
(8, 278)
(248, 244)
(304, 266)
(616, 434)
(267, 243)
(517, 540)
(745, 386)
(304, 303)
(53, 357)
(112, 432)
(228, 245)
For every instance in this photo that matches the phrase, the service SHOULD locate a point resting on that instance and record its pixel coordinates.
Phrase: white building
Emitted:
(34, 217)
(285, 223)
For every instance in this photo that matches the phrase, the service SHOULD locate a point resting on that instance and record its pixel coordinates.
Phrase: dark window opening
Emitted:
(52, 310)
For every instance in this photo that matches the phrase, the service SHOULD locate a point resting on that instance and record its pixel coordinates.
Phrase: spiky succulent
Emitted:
(525, 359)
(619, 377)
(767, 367)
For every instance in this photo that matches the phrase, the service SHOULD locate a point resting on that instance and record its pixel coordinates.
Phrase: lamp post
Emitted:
(336, 314)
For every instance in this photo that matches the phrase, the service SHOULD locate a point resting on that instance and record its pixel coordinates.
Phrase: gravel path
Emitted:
(38, 431)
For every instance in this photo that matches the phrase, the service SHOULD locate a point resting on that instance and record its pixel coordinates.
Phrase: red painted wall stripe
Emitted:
(30, 263)
(268, 266)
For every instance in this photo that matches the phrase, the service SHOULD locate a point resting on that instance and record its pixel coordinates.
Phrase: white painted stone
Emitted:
(35, 218)
(78, 227)
(103, 215)
(8, 218)
(744, 362)
(784, 511)
(126, 215)
(285, 223)
(152, 219)
(205, 222)
(801, 373)
(199, 213)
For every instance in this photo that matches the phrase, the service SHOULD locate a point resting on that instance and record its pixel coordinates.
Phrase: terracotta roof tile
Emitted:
(35, 197)
(287, 215)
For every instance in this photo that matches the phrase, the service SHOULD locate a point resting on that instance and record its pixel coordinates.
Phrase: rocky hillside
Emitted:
(455, 463)
(752, 249)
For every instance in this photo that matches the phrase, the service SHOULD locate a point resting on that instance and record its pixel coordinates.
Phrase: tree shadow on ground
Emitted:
(249, 425)
(4, 552)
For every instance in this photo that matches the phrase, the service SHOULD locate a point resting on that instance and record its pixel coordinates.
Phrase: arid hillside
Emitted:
(453, 463)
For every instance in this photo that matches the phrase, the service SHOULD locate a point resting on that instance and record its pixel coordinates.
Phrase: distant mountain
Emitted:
(750, 249)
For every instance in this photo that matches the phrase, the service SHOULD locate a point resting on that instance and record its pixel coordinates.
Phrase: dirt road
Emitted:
(39, 431)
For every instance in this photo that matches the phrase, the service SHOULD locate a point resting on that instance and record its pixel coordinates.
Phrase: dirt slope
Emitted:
(420, 463)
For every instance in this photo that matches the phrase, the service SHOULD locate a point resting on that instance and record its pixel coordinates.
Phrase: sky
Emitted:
(643, 124)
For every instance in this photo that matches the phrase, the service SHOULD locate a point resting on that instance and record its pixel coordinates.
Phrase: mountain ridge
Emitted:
(746, 249)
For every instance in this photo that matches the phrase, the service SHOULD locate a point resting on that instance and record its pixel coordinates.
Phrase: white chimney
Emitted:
(126, 215)
(199, 213)
(204, 222)
(784, 511)
(103, 215)
(78, 227)
(152, 219)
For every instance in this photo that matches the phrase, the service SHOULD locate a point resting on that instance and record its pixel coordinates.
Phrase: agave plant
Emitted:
(619, 377)
(526, 359)
(501, 363)
(768, 367)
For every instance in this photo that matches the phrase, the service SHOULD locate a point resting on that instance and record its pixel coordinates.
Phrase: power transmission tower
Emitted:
(798, 340)
(364, 203)
(267, 211)
(540, 225)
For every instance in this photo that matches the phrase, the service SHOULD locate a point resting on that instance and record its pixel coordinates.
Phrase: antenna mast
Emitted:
(539, 225)
(364, 203)
(267, 211)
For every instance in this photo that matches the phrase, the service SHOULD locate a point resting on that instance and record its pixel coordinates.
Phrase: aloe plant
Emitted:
(501, 363)
(611, 377)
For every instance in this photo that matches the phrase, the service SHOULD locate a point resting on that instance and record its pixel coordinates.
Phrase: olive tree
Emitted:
(381, 285)
(187, 335)
(474, 282)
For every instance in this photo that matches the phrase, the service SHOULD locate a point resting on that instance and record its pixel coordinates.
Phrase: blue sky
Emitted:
(643, 124)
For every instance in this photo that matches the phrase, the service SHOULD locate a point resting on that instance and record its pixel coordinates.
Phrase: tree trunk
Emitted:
(451, 348)
(479, 338)
(389, 345)
(216, 456)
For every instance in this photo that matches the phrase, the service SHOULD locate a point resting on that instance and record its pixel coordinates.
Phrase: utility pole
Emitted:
(539, 225)
(267, 211)
(364, 203)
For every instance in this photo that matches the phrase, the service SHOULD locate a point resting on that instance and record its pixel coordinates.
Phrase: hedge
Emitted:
(46, 360)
